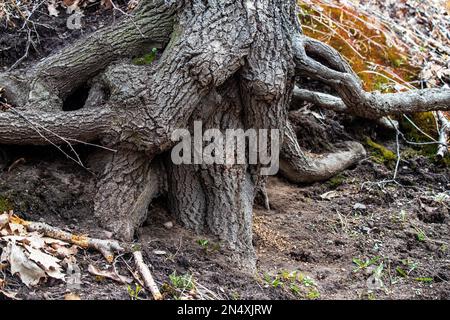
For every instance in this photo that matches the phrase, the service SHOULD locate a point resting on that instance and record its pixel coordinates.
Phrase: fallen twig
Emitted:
(146, 275)
(105, 247)
(444, 128)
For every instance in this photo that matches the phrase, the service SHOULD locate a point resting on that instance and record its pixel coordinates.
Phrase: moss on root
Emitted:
(5, 204)
(336, 181)
(380, 153)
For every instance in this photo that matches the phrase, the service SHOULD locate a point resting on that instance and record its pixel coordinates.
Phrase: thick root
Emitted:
(323, 63)
(301, 167)
(129, 183)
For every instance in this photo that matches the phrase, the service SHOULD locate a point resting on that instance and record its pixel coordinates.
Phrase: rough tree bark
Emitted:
(231, 64)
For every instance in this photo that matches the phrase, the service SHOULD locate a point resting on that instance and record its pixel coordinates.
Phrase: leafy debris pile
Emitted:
(30, 255)
(424, 29)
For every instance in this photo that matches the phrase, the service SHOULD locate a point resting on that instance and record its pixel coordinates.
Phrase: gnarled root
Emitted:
(301, 167)
(323, 63)
(130, 181)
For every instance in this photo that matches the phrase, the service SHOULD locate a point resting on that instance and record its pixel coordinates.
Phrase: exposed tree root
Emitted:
(302, 167)
(321, 62)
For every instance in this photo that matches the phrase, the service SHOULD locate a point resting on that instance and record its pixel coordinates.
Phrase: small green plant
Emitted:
(371, 296)
(275, 283)
(182, 282)
(307, 281)
(296, 282)
(146, 59)
(441, 197)
(402, 216)
(295, 289)
(235, 296)
(134, 293)
(361, 265)
(424, 280)
(401, 272)
(208, 246)
(313, 294)
(203, 243)
(420, 235)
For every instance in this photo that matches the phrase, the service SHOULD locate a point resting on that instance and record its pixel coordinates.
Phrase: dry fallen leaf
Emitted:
(74, 6)
(16, 228)
(330, 195)
(4, 219)
(29, 272)
(72, 296)
(63, 251)
(107, 4)
(73, 274)
(51, 7)
(68, 2)
(109, 275)
(31, 255)
(49, 263)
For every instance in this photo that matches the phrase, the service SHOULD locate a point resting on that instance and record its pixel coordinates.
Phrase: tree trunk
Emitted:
(230, 64)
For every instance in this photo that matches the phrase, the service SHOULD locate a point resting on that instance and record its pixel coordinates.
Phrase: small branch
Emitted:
(105, 247)
(146, 275)
(321, 100)
(444, 130)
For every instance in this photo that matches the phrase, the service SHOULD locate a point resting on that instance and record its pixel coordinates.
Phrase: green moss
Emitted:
(146, 59)
(335, 181)
(380, 153)
(427, 123)
(5, 204)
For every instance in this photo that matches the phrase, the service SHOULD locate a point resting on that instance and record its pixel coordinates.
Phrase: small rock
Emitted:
(168, 225)
(159, 252)
(359, 206)
(365, 230)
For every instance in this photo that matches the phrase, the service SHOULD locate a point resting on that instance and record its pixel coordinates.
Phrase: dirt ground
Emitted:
(349, 238)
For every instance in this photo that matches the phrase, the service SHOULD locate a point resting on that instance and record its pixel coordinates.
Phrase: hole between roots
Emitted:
(77, 99)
